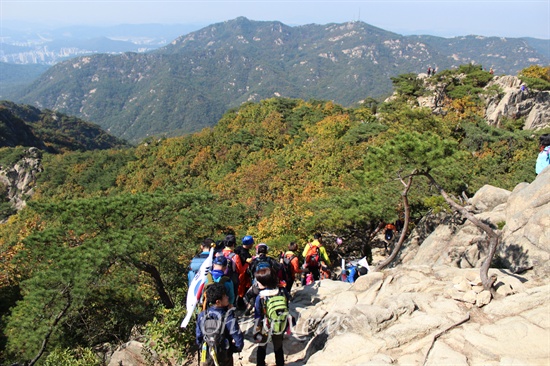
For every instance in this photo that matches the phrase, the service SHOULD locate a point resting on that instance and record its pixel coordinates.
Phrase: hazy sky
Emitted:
(447, 18)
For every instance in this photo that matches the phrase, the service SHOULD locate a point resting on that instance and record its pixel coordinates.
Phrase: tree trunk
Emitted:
(159, 284)
(66, 292)
(403, 235)
(494, 238)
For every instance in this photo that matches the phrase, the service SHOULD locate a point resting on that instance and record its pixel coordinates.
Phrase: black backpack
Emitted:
(213, 329)
(287, 271)
(266, 262)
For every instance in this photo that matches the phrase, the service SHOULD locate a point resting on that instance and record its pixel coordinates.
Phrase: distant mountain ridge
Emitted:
(36, 45)
(188, 84)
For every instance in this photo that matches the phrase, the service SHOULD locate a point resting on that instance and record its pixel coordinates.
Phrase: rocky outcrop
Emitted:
(510, 102)
(514, 103)
(523, 216)
(20, 178)
(413, 315)
(431, 309)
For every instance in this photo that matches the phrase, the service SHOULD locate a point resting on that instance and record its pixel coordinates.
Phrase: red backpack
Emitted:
(312, 257)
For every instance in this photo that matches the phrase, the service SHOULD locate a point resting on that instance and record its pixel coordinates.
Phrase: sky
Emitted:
(444, 18)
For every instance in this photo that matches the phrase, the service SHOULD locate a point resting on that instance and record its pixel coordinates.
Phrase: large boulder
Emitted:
(514, 103)
(524, 217)
(526, 235)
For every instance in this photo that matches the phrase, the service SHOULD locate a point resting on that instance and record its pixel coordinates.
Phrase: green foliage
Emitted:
(408, 85)
(536, 77)
(536, 71)
(93, 257)
(51, 131)
(466, 81)
(436, 204)
(81, 174)
(89, 242)
(9, 156)
(501, 158)
(166, 339)
(68, 357)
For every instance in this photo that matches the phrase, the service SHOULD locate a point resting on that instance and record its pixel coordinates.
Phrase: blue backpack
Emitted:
(195, 265)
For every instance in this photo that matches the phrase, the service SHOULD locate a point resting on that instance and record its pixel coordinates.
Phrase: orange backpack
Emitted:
(312, 257)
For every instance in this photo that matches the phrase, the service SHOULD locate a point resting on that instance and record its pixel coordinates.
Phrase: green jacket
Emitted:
(322, 251)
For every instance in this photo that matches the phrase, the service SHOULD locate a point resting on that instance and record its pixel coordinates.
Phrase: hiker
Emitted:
(388, 235)
(217, 275)
(353, 271)
(291, 265)
(523, 88)
(217, 331)
(429, 70)
(315, 258)
(233, 261)
(197, 261)
(399, 225)
(271, 316)
(241, 264)
(543, 160)
(259, 261)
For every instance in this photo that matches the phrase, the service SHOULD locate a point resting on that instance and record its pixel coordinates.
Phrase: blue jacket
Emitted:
(543, 160)
(195, 265)
(232, 331)
(229, 288)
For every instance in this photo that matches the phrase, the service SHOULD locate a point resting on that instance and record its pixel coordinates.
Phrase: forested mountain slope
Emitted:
(102, 247)
(24, 125)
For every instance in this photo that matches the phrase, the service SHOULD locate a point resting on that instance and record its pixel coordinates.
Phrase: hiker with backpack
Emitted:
(258, 262)
(231, 270)
(217, 330)
(271, 316)
(291, 265)
(388, 235)
(241, 264)
(217, 275)
(315, 258)
(543, 159)
(197, 261)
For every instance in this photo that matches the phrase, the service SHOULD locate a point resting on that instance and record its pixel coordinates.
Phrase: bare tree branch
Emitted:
(403, 235)
(67, 293)
(157, 279)
(494, 238)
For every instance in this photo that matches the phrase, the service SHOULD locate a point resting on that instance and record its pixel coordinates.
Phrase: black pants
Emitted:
(278, 348)
(289, 285)
(225, 358)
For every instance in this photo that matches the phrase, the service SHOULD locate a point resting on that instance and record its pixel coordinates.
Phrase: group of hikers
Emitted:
(251, 283)
(261, 284)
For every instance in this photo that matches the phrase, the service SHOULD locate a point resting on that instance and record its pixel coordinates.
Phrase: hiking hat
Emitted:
(220, 260)
(248, 240)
